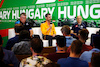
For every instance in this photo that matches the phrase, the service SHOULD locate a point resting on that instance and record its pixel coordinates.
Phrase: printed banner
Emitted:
(59, 9)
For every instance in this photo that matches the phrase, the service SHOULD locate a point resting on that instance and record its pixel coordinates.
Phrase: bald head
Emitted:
(79, 19)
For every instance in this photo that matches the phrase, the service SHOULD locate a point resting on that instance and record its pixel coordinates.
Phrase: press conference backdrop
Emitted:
(64, 11)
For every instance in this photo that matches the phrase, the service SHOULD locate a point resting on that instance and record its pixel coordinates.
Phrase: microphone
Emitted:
(50, 24)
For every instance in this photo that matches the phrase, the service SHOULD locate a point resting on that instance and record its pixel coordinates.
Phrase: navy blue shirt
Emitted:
(77, 27)
(27, 25)
(10, 58)
(72, 62)
(11, 42)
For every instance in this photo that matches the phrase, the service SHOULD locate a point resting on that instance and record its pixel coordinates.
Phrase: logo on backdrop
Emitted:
(1, 3)
(60, 0)
(44, 1)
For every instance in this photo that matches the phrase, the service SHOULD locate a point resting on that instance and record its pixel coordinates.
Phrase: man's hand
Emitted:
(72, 32)
(31, 32)
(51, 25)
(54, 35)
(49, 28)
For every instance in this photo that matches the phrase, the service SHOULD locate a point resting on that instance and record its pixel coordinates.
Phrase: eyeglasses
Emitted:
(23, 17)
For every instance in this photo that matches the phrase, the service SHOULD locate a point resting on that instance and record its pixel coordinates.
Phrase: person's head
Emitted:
(61, 41)
(83, 34)
(24, 34)
(79, 19)
(96, 42)
(36, 45)
(48, 17)
(1, 40)
(95, 60)
(76, 47)
(1, 54)
(23, 17)
(98, 32)
(18, 28)
(65, 30)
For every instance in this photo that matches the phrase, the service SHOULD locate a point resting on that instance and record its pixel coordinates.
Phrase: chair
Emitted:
(20, 57)
(48, 50)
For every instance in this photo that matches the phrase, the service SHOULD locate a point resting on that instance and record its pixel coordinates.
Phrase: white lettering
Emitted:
(31, 14)
(8, 13)
(4, 15)
(85, 13)
(43, 12)
(51, 11)
(96, 11)
(0, 14)
(61, 12)
(37, 13)
(14, 14)
(74, 12)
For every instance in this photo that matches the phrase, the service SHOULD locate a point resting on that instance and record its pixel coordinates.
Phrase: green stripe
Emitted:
(5, 39)
(6, 25)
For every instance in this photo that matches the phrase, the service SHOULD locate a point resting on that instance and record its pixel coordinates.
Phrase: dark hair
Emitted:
(65, 29)
(47, 14)
(76, 46)
(23, 14)
(84, 34)
(24, 34)
(0, 39)
(52, 65)
(95, 60)
(61, 41)
(96, 42)
(18, 28)
(98, 32)
(37, 45)
(1, 54)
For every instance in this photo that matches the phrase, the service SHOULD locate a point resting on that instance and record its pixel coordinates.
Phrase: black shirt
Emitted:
(76, 27)
(27, 26)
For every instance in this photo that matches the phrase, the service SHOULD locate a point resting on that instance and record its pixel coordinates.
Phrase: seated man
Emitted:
(66, 32)
(35, 60)
(23, 46)
(2, 64)
(48, 29)
(9, 57)
(12, 41)
(77, 26)
(83, 36)
(26, 25)
(73, 59)
(60, 53)
(86, 56)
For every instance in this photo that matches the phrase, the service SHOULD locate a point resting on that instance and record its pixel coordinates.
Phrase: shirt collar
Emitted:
(68, 37)
(80, 24)
(22, 23)
(95, 50)
(73, 57)
(16, 35)
(46, 23)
